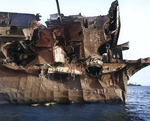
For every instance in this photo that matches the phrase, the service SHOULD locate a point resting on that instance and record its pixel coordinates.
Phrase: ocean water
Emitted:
(137, 108)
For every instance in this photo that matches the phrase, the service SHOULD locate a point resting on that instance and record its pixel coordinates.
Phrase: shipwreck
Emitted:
(73, 59)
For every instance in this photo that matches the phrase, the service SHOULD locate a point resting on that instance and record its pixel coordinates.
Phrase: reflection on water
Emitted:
(137, 108)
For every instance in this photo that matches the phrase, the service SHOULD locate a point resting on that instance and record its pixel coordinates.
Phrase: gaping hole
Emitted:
(93, 70)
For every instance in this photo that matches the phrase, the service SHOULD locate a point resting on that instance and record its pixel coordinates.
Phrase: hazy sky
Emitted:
(135, 18)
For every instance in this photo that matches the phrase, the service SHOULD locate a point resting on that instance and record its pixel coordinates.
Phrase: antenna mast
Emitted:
(58, 8)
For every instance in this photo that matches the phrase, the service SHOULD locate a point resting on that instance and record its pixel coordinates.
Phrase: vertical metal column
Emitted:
(58, 8)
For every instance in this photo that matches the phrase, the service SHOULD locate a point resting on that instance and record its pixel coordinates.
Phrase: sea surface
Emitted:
(137, 108)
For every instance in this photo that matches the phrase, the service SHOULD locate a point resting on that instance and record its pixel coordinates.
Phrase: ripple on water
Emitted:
(138, 102)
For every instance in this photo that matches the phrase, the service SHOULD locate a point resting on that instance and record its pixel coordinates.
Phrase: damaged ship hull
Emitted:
(19, 87)
(75, 59)
(26, 89)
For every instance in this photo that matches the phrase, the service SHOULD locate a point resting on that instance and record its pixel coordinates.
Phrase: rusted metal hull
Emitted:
(22, 88)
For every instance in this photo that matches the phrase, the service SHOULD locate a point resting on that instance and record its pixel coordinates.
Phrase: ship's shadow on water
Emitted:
(133, 110)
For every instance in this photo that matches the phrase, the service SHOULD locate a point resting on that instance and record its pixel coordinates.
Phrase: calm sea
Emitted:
(137, 108)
